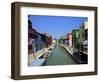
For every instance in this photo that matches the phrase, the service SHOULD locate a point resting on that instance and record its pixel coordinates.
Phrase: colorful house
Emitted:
(83, 33)
(69, 38)
(75, 36)
(31, 36)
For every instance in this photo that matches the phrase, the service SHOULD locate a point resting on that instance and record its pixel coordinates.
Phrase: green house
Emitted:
(75, 36)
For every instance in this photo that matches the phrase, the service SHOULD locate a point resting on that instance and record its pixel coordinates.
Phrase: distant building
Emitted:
(54, 41)
(47, 39)
(62, 40)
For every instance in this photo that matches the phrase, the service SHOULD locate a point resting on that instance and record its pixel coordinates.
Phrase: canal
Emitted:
(59, 56)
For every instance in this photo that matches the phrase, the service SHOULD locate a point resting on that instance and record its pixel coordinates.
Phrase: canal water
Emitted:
(59, 56)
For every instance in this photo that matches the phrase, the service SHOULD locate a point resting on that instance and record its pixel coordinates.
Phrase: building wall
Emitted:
(69, 39)
(85, 25)
(75, 36)
(38, 42)
(83, 32)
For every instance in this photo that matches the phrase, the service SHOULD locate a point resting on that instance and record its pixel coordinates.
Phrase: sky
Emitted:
(56, 26)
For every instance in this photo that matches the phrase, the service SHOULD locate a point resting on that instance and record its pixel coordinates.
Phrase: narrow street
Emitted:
(59, 56)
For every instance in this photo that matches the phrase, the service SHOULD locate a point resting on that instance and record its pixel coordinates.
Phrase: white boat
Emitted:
(37, 62)
(48, 54)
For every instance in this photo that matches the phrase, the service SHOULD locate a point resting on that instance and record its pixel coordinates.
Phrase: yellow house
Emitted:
(85, 25)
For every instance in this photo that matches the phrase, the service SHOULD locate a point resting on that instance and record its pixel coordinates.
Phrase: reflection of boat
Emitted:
(37, 62)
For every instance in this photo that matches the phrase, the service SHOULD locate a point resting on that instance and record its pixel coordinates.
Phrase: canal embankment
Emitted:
(70, 50)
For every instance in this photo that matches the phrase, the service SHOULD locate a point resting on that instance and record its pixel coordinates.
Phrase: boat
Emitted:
(48, 54)
(37, 62)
